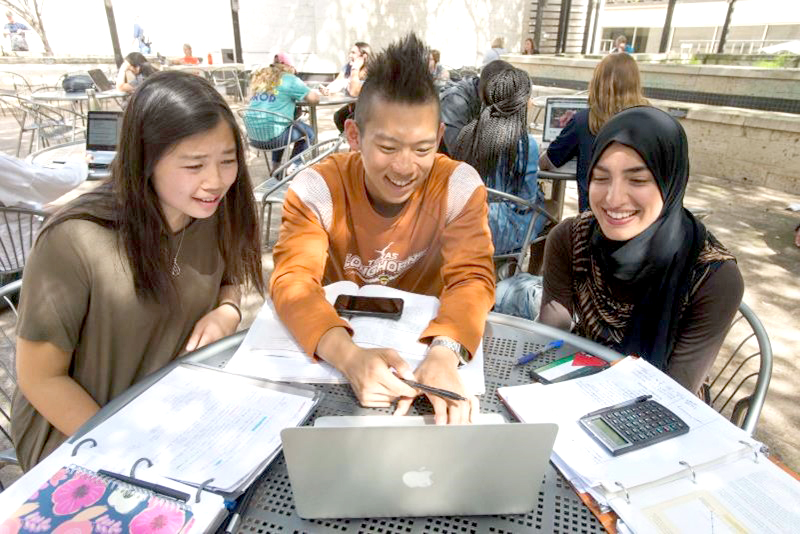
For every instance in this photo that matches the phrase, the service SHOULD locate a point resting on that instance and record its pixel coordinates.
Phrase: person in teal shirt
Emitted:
(277, 89)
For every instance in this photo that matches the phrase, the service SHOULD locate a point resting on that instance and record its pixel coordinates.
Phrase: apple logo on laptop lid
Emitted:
(421, 478)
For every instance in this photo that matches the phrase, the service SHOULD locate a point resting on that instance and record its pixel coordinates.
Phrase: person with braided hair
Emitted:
(498, 145)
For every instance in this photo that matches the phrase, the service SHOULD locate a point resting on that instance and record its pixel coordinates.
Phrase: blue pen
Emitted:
(533, 355)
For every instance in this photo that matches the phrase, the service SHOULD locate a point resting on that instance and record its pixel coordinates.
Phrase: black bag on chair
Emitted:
(77, 83)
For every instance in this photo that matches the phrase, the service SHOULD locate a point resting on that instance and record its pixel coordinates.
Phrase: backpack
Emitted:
(77, 83)
(18, 42)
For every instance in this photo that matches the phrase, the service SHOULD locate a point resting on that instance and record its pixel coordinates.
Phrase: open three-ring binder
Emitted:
(715, 478)
(197, 437)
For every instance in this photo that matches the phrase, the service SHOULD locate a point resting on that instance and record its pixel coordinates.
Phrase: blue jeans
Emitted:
(302, 136)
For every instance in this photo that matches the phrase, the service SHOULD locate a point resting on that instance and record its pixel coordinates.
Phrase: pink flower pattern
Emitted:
(76, 494)
(106, 525)
(36, 522)
(74, 527)
(158, 518)
(58, 477)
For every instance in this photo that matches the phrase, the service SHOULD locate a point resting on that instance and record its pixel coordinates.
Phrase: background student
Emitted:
(498, 145)
(133, 72)
(277, 89)
(349, 81)
(615, 86)
(148, 266)
(639, 272)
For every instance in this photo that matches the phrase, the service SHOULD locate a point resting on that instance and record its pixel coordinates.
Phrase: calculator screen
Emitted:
(608, 432)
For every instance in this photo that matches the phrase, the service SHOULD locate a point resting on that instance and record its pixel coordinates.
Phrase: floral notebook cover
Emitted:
(78, 501)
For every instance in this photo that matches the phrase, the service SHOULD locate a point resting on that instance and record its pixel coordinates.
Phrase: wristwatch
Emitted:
(463, 354)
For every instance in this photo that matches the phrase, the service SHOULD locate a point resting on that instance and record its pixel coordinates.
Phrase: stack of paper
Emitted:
(270, 351)
(197, 424)
(712, 449)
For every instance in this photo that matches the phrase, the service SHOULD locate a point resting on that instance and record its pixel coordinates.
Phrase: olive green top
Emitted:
(78, 294)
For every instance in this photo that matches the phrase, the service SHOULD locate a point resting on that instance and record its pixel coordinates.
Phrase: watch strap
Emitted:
(461, 353)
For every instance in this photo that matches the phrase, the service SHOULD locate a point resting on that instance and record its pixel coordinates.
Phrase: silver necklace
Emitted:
(176, 269)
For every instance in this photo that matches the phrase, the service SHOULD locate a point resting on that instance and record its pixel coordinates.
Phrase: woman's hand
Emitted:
(216, 324)
(356, 64)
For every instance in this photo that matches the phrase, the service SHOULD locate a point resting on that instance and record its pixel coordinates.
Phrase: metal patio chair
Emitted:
(516, 259)
(740, 384)
(256, 123)
(268, 191)
(8, 379)
(226, 81)
(18, 230)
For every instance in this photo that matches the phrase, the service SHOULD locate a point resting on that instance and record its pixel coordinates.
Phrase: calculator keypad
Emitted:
(645, 421)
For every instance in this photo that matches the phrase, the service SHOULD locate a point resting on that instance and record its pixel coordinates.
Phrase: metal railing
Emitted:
(732, 46)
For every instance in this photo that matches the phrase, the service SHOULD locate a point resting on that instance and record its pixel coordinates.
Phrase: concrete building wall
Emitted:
(318, 32)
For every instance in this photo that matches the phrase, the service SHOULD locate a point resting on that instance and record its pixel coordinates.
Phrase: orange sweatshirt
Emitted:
(439, 244)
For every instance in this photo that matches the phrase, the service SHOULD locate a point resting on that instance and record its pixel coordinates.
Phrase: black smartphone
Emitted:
(388, 308)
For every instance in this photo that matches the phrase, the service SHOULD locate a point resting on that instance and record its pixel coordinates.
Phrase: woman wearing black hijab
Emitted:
(639, 272)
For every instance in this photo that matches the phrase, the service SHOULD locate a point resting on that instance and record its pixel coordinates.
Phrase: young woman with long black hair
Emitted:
(150, 265)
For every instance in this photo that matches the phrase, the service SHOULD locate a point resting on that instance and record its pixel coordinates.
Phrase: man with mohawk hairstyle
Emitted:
(393, 212)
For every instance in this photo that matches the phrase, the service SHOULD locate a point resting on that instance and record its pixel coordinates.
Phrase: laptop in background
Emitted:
(100, 80)
(557, 113)
(102, 137)
(413, 471)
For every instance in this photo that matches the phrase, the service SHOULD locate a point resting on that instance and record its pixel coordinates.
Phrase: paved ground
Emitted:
(752, 221)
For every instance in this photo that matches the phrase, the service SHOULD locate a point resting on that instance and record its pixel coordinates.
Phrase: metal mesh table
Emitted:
(558, 508)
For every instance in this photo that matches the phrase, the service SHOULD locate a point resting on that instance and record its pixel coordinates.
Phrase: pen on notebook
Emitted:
(157, 488)
(640, 398)
(432, 390)
(556, 344)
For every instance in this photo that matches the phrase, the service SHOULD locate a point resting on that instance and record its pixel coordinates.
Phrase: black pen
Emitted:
(156, 488)
(445, 394)
(640, 398)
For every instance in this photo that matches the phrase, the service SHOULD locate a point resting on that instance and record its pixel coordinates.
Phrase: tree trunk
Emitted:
(38, 26)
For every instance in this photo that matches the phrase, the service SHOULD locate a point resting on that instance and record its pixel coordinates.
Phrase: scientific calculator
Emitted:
(632, 425)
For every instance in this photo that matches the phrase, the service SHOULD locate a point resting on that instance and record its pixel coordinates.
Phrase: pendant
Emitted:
(176, 269)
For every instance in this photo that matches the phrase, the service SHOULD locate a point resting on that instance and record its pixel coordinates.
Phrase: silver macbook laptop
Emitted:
(100, 80)
(412, 471)
(102, 137)
(557, 113)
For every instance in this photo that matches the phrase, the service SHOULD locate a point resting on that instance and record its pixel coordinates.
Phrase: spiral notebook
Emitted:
(75, 499)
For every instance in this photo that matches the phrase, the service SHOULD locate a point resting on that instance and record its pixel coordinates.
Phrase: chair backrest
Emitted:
(8, 376)
(227, 78)
(14, 104)
(741, 380)
(17, 82)
(283, 175)
(517, 258)
(18, 230)
(257, 122)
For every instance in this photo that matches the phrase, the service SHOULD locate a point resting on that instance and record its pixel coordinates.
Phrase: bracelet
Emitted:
(234, 306)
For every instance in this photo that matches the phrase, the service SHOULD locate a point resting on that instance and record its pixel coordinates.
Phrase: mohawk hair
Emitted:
(398, 74)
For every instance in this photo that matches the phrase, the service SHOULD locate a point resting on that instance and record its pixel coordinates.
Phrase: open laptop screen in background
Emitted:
(557, 113)
(100, 80)
(102, 132)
